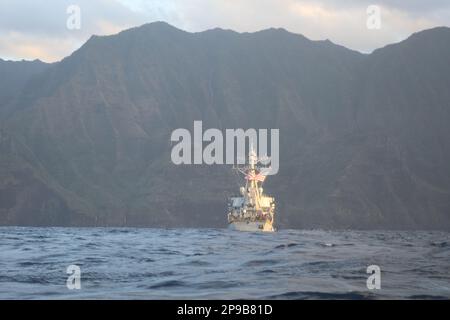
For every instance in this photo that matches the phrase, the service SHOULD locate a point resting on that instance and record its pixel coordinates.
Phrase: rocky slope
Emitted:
(364, 138)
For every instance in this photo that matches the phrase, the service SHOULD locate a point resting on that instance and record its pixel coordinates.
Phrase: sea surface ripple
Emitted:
(129, 263)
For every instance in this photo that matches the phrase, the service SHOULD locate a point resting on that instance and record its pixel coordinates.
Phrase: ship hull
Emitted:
(251, 226)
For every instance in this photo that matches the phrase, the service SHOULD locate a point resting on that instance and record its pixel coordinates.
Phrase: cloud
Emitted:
(23, 46)
(341, 22)
(37, 29)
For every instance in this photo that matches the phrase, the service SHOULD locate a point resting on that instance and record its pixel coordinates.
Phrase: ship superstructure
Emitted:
(252, 210)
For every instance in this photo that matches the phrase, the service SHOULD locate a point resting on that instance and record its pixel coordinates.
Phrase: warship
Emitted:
(252, 210)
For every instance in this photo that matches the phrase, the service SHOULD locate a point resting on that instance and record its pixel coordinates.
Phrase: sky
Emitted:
(38, 29)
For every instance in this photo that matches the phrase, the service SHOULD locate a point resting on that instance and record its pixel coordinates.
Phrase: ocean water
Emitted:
(117, 263)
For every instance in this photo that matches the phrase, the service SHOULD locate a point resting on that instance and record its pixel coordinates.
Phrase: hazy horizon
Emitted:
(206, 30)
(39, 31)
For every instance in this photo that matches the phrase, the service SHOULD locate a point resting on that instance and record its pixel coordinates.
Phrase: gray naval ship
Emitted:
(252, 210)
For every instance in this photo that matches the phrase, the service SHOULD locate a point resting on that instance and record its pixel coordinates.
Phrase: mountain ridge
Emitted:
(356, 146)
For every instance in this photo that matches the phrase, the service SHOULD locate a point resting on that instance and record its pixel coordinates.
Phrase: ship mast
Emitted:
(253, 160)
(252, 177)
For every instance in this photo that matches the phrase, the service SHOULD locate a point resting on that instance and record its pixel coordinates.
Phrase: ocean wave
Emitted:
(214, 263)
